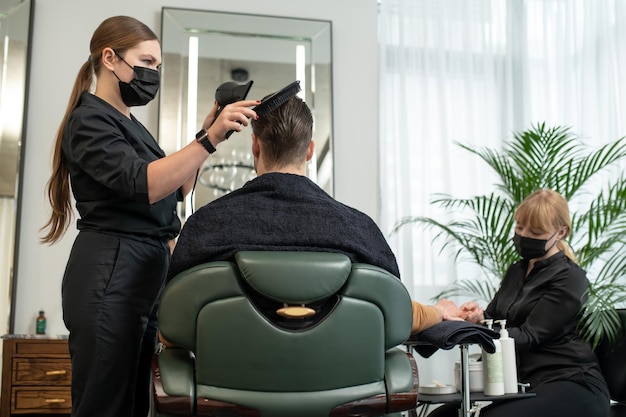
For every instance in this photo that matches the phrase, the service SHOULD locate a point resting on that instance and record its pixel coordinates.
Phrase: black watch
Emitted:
(203, 139)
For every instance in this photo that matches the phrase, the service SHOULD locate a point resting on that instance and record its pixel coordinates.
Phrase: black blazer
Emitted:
(542, 312)
(107, 156)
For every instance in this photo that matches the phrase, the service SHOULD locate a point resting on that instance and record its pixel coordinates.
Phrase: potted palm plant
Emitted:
(554, 158)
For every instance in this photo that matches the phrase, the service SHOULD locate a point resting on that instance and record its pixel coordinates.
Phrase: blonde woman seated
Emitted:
(540, 297)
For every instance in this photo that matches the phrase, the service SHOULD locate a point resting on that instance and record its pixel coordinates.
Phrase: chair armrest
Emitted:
(173, 379)
(402, 380)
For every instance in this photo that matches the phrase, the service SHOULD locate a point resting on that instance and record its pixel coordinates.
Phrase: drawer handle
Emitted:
(55, 400)
(56, 372)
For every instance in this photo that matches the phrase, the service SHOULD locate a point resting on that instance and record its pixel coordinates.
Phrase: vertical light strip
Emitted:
(312, 167)
(192, 88)
(3, 86)
(301, 70)
(301, 75)
(192, 105)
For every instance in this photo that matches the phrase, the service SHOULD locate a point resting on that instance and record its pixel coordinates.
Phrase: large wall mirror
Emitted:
(15, 33)
(203, 49)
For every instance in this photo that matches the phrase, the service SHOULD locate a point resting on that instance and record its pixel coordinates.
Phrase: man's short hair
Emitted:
(285, 133)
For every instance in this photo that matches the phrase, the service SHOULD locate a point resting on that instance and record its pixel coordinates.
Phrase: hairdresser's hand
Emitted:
(448, 310)
(210, 118)
(233, 116)
(472, 312)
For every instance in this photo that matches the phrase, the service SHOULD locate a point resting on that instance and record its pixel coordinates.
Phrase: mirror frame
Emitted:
(243, 30)
(20, 169)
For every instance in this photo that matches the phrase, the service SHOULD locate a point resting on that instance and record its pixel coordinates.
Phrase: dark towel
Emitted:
(448, 334)
(277, 211)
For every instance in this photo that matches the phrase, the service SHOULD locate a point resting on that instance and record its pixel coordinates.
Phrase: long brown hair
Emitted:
(119, 33)
(546, 209)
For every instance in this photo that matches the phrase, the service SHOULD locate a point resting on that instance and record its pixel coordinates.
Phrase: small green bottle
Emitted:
(41, 323)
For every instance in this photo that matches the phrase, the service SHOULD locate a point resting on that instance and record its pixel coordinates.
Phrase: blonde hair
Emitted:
(119, 33)
(546, 210)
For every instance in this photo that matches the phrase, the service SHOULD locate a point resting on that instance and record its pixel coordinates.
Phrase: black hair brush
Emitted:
(273, 101)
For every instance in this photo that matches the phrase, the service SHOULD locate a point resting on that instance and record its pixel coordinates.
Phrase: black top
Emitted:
(107, 155)
(279, 211)
(542, 313)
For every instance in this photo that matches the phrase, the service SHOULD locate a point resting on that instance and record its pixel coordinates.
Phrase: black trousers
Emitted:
(554, 399)
(110, 296)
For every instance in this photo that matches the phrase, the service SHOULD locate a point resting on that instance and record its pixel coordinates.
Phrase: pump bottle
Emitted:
(492, 367)
(509, 365)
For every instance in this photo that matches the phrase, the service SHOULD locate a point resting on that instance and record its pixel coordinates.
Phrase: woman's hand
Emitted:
(210, 118)
(233, 116)
(448, 310)
(472, 312)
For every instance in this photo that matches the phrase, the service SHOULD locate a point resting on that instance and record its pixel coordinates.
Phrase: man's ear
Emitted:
(256, 146)
(309, 153)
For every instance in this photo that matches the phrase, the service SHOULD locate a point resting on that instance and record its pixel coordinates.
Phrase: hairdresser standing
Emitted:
(126, 191)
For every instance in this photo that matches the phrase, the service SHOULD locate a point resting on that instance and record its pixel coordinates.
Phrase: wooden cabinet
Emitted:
(36, 376)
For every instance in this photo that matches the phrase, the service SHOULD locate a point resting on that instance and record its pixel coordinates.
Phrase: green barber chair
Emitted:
(284, 334)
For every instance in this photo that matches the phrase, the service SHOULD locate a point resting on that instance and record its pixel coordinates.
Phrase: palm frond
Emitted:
(603, 225)
(482, 235)
(612, 275)
(585, 168)
(599, 319)
(540, 155)
(509, 175)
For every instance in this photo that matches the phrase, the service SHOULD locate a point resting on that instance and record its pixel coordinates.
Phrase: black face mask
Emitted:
(529, 248)
(142, 88)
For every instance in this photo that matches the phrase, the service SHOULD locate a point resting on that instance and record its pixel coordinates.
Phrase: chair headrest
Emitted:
(294, 277)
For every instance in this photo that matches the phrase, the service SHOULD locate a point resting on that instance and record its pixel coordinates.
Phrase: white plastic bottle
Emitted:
(492, 367)
(509, 364)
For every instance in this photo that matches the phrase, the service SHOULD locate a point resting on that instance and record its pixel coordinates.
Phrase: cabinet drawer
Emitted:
(42, 372)
(41, 400)
(36, 347)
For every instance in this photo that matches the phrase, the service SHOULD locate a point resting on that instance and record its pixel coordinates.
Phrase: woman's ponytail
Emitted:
(58, 186)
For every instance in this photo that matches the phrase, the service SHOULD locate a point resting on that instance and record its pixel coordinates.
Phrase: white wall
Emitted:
(61, 37)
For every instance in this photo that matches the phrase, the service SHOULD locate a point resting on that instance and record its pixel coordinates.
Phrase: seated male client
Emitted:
(283, 210)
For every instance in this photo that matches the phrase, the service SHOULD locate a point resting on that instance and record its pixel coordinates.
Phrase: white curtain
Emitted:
(474, 72)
